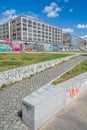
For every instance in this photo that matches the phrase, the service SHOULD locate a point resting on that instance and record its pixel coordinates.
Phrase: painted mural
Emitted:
(15, 45)
(8, 46)
(66, 39)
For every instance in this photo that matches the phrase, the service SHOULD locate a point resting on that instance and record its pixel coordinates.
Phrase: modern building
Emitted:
(5, 31)
(32, 30)
(82, 42)
(71, 40)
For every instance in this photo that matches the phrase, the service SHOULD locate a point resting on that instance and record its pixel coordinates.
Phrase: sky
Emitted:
(70, 15)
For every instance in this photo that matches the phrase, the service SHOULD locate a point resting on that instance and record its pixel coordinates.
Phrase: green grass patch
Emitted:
(15, 60)
(78, 69)
(1, 58)
(11, 63)
(26, 58)
(12, 58)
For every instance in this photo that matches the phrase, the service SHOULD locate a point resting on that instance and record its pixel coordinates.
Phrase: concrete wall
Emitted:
(18, 74)
(40, 106)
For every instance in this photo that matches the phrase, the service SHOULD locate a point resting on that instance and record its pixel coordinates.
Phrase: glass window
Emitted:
(34, 23)
(29, 25)
(24, 24)
(29, 21)
(25, 29)
(24, 20)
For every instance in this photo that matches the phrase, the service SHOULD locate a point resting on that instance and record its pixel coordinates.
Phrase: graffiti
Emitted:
(66, 39)
(18, 47)
(7, 45)
(74, 91)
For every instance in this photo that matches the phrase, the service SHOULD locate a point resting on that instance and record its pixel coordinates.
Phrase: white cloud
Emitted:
(67, 30)
(80, 26)
(7, 15)
(52, 10)
(9, 12)
(71, 10)
(6, 19)
(66, 0)
(84, 37)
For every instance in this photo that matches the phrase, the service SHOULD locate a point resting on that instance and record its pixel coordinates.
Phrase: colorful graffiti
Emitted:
(7, 45)
(66, 39)
(18, 47)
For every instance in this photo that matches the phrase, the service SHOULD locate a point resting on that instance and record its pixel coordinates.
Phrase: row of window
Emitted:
(39, 31)
(25, 21)
(42, 28)
(35, 39)
(31, 23)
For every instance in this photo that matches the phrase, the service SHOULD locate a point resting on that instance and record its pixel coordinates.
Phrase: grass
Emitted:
(14, 60)
(78, 69)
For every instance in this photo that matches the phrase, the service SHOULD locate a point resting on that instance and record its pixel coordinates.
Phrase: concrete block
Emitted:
(42, 105)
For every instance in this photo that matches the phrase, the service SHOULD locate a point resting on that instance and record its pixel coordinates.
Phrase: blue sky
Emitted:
(68, 14)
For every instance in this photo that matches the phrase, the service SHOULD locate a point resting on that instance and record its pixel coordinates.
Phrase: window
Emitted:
(38, 31)
(14, 34)
(38, 24)
(29, 25)
(7, 36)
(38, 35)
(24, 24)
(39, 39)
(30, 39)
(24, 20)
(43, 25)
(35, 39)
(34, 35)
(25, 29)
(29, 30)
(34, 23)
(29, 22)
(42, 36)
(30, 34)
(18, 24)
(18, 34)
(18, 37)
(18, 29)
(24, 33)
(24, 38)
(13, 21)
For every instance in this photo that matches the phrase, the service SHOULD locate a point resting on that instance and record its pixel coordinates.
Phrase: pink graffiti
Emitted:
(18, 47)
(74, 91)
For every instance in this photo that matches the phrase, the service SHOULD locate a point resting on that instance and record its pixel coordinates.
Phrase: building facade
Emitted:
(29, 29)
(82, 42)
(70, 40)
(5, 31)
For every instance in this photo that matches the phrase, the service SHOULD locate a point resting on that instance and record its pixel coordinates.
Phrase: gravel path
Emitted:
(10, 97)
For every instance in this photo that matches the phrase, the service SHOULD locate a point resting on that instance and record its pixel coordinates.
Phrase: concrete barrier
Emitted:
(11, 76)
(40, 106)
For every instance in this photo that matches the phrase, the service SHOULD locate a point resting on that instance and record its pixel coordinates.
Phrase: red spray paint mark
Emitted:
(74, 91)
